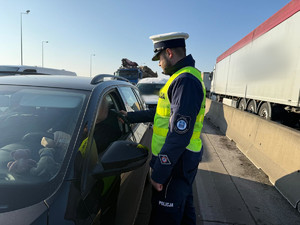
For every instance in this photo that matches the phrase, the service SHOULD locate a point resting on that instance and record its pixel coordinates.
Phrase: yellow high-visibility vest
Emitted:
(162, 115)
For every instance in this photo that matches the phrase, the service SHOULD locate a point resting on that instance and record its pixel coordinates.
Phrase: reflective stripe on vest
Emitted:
(163, 111)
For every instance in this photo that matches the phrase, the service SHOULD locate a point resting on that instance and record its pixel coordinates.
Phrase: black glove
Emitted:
(120, 115)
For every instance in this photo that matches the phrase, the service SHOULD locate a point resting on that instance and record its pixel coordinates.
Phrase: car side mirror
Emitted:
(120, 157)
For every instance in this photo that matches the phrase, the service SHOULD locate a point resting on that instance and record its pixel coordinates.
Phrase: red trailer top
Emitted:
(287, 11)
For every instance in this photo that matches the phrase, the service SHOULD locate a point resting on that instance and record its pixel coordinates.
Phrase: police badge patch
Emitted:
(164, 159)
(182, 124)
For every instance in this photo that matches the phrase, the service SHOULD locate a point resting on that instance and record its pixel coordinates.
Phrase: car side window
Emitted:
(107, 126)
(130, 99)
(106, 129)
(139, 97)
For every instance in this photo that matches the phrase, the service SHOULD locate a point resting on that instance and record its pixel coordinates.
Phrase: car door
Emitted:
(89, 197)
(133, 182)
(100, 199)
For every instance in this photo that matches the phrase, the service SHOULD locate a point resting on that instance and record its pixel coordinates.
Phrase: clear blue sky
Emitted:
(118, 29)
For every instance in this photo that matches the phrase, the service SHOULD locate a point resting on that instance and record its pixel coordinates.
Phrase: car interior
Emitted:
(30, 116)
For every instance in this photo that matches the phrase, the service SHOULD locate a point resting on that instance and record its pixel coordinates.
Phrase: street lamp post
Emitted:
(27, 11)
(91, 64)
(43, 52)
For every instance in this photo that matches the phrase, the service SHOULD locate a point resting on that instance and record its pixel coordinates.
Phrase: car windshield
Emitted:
(37, 125)
(150, 88)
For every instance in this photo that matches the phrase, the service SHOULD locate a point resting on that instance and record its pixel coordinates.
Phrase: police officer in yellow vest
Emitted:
(178, 120)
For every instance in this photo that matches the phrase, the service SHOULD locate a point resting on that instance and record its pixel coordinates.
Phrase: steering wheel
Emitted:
(36, 136)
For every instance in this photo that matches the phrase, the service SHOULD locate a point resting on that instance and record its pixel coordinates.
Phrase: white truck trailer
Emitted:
(261, 72)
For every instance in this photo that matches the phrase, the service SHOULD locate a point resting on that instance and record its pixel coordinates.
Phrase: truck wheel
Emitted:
(252, 107)
(242, 104)
(265, 110)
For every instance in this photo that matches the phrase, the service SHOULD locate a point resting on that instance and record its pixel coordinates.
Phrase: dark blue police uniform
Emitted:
(174, 204)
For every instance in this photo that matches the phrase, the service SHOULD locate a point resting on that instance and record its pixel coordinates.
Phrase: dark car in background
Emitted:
(65, 157)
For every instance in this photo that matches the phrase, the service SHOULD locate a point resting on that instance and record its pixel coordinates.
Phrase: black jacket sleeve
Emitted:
(141, 116)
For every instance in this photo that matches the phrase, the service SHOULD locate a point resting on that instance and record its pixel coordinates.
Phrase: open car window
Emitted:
(107, 127)
(131, 101)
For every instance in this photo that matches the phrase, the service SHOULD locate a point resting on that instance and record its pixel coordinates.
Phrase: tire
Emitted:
(265, 111)
(252, 107)
(242, 104)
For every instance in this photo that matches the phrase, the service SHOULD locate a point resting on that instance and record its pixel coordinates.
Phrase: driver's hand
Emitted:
(47, 142)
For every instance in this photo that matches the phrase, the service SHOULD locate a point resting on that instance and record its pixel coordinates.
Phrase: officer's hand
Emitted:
(124, 113)
(157, 186)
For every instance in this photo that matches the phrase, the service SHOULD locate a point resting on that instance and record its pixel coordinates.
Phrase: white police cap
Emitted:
(168, 40)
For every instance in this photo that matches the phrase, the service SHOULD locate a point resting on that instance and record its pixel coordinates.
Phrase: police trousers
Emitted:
(174, 204)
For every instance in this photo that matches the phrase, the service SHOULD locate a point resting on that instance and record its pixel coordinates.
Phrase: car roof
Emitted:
(57, 81)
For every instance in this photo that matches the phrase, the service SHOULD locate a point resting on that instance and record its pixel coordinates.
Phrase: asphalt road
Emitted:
(229, 189)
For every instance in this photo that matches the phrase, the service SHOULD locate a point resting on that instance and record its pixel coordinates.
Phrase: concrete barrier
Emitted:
(217, 114)
(270, 146)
